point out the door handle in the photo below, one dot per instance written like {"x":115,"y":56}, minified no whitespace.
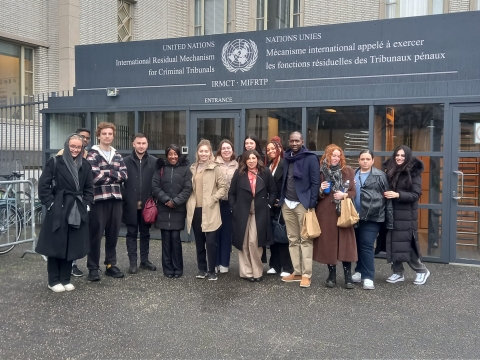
{"x":459,"y":175}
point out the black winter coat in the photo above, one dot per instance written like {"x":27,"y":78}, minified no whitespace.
{"x":373,"y":204}
{"x":172,"y":182}
{"x":403,"y":239}
{"x":138,"y":185}
{"x":240,"y":199}
{"x":57,"y":239}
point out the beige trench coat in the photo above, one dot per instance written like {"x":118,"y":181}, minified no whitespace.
{"x":214,"y":188}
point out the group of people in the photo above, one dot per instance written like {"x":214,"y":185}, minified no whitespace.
{"x":228,"y":200}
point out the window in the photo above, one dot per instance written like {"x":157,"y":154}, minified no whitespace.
{"x":124,"y":20}
{"x":16,"y":68}
{"x":406,"y":8}
{"x":346,"y":126}
{"x":267,"y":123}
{"x":125,"y":124}
{"x":62,"y":125}
{"x":163,"y":128}
{"x":214,"y":17}
{"x":278,"y":14}
{"x":418,"y":126}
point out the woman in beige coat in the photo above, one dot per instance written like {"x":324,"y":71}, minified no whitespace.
{"x":203,"y":208}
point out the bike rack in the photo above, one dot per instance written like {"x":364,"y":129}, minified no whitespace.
{"x":24,"y":217}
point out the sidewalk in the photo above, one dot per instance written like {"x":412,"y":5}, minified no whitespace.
{"x":148,"y":316}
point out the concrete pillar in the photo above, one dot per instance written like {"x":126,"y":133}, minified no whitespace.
{"x":68,"y":37}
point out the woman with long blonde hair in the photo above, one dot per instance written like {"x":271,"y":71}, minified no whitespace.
{"x":203,"y":208}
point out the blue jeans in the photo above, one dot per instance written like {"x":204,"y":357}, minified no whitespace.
{"x":366,"y":232}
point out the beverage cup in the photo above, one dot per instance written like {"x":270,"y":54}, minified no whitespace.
{"x":327,"y":190}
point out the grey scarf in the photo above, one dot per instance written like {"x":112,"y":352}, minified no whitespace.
{"x":333,"y":174}
{"x":73,"y":165}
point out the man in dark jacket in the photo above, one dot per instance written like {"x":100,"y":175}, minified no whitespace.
{"x":301,"y":182}
{"x":137,"y":189}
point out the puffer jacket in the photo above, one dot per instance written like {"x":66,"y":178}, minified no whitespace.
{"x":403,"y":239}
{"x":373,"y":205}
{"x":172,"y":182}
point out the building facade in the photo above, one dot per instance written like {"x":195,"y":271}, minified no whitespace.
{"x":361,"y":74}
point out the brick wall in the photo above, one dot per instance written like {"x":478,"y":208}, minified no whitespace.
{"x":98,"y":21}
{"x":323,"y":12}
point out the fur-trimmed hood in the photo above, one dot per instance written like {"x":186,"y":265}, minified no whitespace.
{"x":415,"y":168}
{"x":182,"y":161}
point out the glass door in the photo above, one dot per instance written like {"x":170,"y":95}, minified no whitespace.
{"x":213,"y":126}
{"x":465,"y":194}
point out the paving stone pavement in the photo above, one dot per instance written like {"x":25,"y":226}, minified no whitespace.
{"x":147,"y":316}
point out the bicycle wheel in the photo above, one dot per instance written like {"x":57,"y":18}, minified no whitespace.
{"x":10,"y":227}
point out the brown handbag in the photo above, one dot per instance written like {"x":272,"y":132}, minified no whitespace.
{"x":311,"y":227}
{"x":348,"y":214}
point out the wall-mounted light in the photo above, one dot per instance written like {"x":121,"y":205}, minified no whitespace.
{"x":330,"y":110}
{"x":112,"y":91}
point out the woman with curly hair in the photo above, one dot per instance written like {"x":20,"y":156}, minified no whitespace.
{"x":335,"y":244}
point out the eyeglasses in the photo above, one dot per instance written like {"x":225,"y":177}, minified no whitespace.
{"x":78,"y":148}
{"x":85,"y":137}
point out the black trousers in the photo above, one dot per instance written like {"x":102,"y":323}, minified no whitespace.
{"x":131,"y":240}
{"x":59,"y":271}
{"x":205,"y":242}
{"x":105,"y":216}
{"x":280,"y":258}
{"x":172,"y":257}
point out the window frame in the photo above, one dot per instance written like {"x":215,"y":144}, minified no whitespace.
{"x":226,"y":20}
{"x":397,"y":4}
{"x":292,"y":16}
{"x":22,"y":71}
{"x":121,"y":6}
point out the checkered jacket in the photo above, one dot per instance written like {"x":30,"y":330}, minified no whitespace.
{"x":108,"y":176}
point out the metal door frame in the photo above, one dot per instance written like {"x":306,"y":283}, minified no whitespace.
{"x":455,"y":177}
{"x":192,"y":127}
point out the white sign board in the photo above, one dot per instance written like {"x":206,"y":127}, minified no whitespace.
{"x":477,"y":133}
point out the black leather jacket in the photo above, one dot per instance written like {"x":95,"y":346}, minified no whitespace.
{"x":374,"y":206}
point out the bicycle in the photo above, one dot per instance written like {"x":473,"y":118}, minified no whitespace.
{"x":11,"y":225}
{"x":14,"y":213}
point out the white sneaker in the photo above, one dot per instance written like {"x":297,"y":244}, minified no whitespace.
{"x":57,"y":288}
{"x":271,"y":271}
{"x":395,"y":278}
{"x":223,"y":269}
{"x":421,"y":278}
{"x":357,"y":277}
{"x":284,"y":273}
{"x":368,"y":284}
{"x":69,"y":287}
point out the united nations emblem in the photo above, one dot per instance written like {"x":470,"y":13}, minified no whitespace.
{"x":240,"y":55}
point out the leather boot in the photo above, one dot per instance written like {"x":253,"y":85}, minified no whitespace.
{"x":332,"y":276}
{"x":347,"y":270}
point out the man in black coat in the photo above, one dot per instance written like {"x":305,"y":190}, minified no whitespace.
{"x":137,"y":189}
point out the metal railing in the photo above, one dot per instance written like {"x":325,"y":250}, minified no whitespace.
{"x":18,"y":210}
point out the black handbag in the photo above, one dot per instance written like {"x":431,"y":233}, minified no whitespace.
{"x":279,"y":231}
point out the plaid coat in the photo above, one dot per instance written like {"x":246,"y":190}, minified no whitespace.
{"x":108,"y":174}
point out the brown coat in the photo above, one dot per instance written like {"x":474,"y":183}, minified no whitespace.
{"x":214,"y":188}
{"x":334,"y":244}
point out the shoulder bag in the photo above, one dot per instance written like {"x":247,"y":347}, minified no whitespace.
{"x":150,"y":211}
{"x":348,"y":215}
